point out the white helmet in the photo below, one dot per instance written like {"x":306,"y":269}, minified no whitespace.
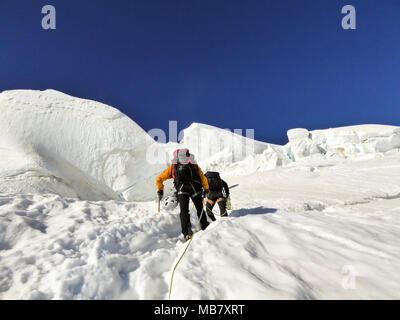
{"x":170,"y":202}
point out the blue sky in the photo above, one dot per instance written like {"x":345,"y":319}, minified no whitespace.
{"x":268,"y":65}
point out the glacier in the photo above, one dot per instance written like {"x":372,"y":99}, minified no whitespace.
{"x":55,"y":143}
{"x":316,"y":218}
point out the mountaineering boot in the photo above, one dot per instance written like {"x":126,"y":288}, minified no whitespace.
{"x":188,"y":237}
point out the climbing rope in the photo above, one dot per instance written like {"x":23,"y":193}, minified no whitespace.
{"x":187,"y":246}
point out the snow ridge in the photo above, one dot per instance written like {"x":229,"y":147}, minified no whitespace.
{"x":70,"y":146}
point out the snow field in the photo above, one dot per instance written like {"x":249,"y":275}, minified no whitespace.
{"x":306,"y":247}
{"x":58,"y":248}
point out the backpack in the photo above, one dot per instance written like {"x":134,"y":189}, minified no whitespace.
{"x":214,"y":181}
{"x":184,"y":168}
{"x":183,"y":173}
{"x":183,"y":156}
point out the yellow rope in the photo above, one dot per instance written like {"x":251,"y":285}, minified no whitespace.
{"x":187,"y":246}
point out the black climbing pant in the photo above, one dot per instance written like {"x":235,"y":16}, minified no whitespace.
{"x":183,"y":200}
{"x":221,"y":201}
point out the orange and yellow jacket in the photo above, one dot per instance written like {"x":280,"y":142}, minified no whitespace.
{"x":168,"y":174}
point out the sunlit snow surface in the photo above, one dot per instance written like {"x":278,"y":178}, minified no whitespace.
{"x":318,"y":218}
{"x":293,"y":233}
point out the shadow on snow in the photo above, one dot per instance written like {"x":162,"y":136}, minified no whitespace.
{"x":247,"y":211}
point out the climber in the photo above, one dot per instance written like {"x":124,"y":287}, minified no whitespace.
{"x":189,"y":182}
{"x":219,"y":193}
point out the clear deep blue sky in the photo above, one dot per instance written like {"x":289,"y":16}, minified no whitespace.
{"x":270,"y":65}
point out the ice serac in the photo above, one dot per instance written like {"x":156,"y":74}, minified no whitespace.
{"x":51,"y":142}
{"x":343,"y":141}
{"x":217,"y":148}
{"x":303,"y":146}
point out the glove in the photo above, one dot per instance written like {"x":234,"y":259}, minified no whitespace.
{"x":160,"y":194}
{"x":205,"y":193}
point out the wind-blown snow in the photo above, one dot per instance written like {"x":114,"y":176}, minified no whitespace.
{"x":317,"y":218}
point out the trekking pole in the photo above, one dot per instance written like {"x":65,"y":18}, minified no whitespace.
{"x":159,"y":206}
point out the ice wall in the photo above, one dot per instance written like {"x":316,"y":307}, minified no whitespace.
{"x":51,"y":142}
{"x":216,"y":148}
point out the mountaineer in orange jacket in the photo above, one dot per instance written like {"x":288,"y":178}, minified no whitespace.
{"x":189,"y":182}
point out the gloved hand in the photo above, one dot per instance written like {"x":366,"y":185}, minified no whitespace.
{"x":160,"y":194}
{"x":205,"y":193}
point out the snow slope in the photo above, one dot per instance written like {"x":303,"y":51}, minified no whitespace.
{"x":317,"y":218}
{"x":326,"y":234}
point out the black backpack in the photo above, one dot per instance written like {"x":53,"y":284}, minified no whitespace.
{"x":184,"y":173}
{"x":214,"y":181}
